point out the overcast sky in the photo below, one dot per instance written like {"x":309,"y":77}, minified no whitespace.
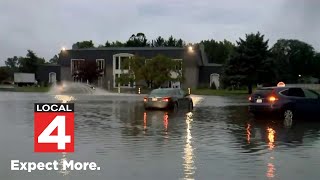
{"x":47,"y":25}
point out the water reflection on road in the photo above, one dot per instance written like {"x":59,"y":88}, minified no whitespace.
{"x":189,"y":167}
{"x":64,"y":99}
{"x":188,"y":155}
{"x":218,"y":140}
{"x":271,"y":138}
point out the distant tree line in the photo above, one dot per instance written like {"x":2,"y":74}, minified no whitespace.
{"x":218,"y":51}
{"x":248,"y":62}
{"x":27,"y":64}
{"x":253,"y":62}
{"x":135,"y":40}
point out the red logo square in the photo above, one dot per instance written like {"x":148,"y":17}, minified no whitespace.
{"x":53,"y":131}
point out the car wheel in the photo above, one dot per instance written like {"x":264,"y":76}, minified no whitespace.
{"x":288,"y":117}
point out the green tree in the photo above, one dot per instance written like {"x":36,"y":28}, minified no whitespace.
{"x":114,"y":44}
{"x":316,"y":65}
{"x":12,"y":63}
{"x":137,"y":72}
{"x":124,"y":78}
{"x":154,"y":72}
{"x":29,"y":64}
{"x":84,"y":44}
{"x":218,"y":52}
{"x":107,"y":44}
{"x":159,"y":42}
{"x":89,"y":71}
{"x":171,"y":42}
{"x":5,"y":73}
{"x":293,"y":58}
{"x":251,"y":63}
{"x":138,"y":40}
{"x":161,"y":69}
{"x":233,"y":74}
{"x":118,"y":44}
{"x":180,"y":43}
{"x":12,"y":67}
{"x":54,"y":60}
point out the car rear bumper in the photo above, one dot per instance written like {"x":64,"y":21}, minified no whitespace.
{"x":264,"y":108}
{"x":157,"y":105}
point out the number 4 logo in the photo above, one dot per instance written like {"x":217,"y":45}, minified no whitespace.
{"x":61,"y":139}
{"x":53,"y":131}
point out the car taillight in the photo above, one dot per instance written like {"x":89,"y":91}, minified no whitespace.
{"x":166,"y":99}
{"x":272,"y":98}
{"x":145,"y":99}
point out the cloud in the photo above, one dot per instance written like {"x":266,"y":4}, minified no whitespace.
{"x":296,"y":19}
{"x":45,"y":26}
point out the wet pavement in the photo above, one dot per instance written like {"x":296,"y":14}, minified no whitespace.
{"x":218,"y":140}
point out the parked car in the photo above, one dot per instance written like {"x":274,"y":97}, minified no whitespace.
{"x":289,"y":103}
{"x":168,"y":98}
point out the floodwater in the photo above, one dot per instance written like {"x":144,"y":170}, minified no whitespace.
{"x":218,"y":140}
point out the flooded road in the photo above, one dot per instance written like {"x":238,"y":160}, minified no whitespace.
{"x":218,"y":140}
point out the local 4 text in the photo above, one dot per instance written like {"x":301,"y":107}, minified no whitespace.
{"x":53,"y":127}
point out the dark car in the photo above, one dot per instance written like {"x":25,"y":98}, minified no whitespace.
{"x":287,"y":102}
{"x":168,"y":98}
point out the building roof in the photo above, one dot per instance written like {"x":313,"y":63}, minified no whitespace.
{"x":127,"y":48}
{"x":200,"y":55}
{"x":48,"y":64}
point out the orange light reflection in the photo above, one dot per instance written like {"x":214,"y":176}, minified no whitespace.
{"x":165,"y":121}
{"x":271,"y":170}
{"x":248,"y":133}
{"x":144,"y":121}
{"x":271,"y":137}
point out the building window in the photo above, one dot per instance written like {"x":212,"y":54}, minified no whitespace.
{"x":120,"y":67}
{"x":128,"y":84}
{"x":52,"y":77}
{"x":123,"y":63}
{"x":100,"y":64}
{"x":115,"y":80}
{"x":76,"y":65}
{"x":117,"y":65}
{"x":178,"y":66}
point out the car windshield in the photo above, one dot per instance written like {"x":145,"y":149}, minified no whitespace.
{"x":162,"y":92}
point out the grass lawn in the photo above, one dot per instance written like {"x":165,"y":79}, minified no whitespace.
{"x":214,"y":92}
{"x":26,"y":89}
{"x":211,"y":92}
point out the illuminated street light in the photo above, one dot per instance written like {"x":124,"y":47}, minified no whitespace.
{"x":299,"y":75}
{"x":190,"y":48}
